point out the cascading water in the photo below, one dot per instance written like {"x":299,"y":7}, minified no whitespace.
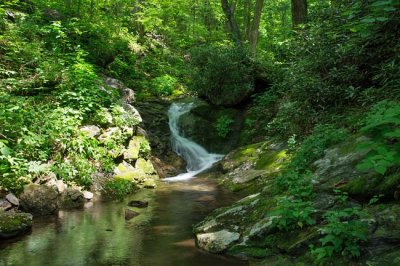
{"x":196,"y":157}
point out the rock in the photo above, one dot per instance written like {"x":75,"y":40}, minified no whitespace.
{"x":262,"y":228}
{"x":5,"y":205}
{"x":138,"y":204}
{"x":72,"y":198}
{"x":217,"y":242}
{"x":155,"y":122}
{"x":12,"y":199}
{"x":132,"y":152}
{"x":91,"y":130}
{"x":126,"y":171}
{"x":141,"y":132}
{"x":88,"y":195}
{"x":145,"y":165}
{"x":129,"y":214}
{"x":61,"y":186}
{"x":133,"y":113}
{"x":128,"y":95}
{"x":149,"y":183}
{"x":110,"y":134}
{"x":14,"y":224}
{"x":39,"y":200}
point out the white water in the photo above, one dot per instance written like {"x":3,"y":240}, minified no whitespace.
{"x":196,"y":157}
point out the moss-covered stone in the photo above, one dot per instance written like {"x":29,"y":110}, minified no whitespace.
{"x":71,"y":199}
{"x":39,"y":200}
{"x":127,"y":172}
{"x":146,"y":166}
{"x":135,"y":147}
{"x":14,"y":224}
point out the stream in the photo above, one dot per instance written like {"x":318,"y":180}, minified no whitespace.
{"x":160,"y":235}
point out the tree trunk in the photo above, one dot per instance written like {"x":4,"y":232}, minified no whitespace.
{"x":229,"y":13}
{"x":255,"y":25}
{"x":299,"y":12}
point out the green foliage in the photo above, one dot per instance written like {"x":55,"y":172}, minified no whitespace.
{"x":164,"y":85}
{"x":222,"y":74}
{"x":292,"y":213}
{"x":119,"y":188}
{"x":314,"y":146}
{"x":295,"y":184}
{"x":223,"y":125}
{"x":342,"y":234}
{"x":382,"y":126}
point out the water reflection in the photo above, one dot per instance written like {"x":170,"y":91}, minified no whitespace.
{"x":99,"y":235}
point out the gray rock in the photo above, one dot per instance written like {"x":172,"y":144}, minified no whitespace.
{"x":72,"y":199}
{"x":217,"y":242}
{"x":91,"y":130}
{"x":14,"y":224}
{"x":88,"y":195}
{"x":5,"y":205}
{"x":39,"y":200}
{"x":129,"y":214}
{"x":133,"y":112}
{"x":61,"y":186}
{"x":12,"y":199}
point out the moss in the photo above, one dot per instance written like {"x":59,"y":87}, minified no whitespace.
{"x":14,"y":224}
{"x":367,"y":186}
{"x":270,"y":160}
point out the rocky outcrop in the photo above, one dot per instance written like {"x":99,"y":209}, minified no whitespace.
{"x":14,"y":224}
{"x":155,"y":122}
{"x":252,"y":171}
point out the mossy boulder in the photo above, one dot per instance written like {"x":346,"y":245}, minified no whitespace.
{"x":39,"y":200}
{"x":253,"y":166}
{"x":14,"y":224}
{"x":72,"y":199}
{"x":135,"y":147}
{"x":146,"y":166}
{"x":127,"y":172}
{"x":217,"y":242}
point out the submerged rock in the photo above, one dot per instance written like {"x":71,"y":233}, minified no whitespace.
{"x":217,"y":242}
{"x":138,"y":204}
{"x":39,"y":200}
{"x":14,"y":224}
{"x":129,"y":214}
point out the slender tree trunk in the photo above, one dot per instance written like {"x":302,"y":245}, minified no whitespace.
{"x":299,"y":12}
{"x":255,"y":25}
{"x":229,"y":13}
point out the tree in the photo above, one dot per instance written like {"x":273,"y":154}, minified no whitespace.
{"x":299,"y":12}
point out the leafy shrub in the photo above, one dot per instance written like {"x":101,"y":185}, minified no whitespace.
{"x":382,"y":125}
{"x":224,"y":75}
{"x":313,"y":147}
{"x":163,"y":86}
{"x":119,"y":188}
{"x":223,"y":125}
{"x":293,"y":213}
{"x":343,"y":234}
{"x":295,"y":184}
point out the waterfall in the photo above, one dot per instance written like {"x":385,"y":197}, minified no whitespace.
{"x":196,"y":157}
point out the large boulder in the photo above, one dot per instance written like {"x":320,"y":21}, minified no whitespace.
{"x":133,"y":150}
{"x":126,"y":171}
{"x":14,"y":224}
{"x":216,"y":242}
{"x":39,"y":200}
